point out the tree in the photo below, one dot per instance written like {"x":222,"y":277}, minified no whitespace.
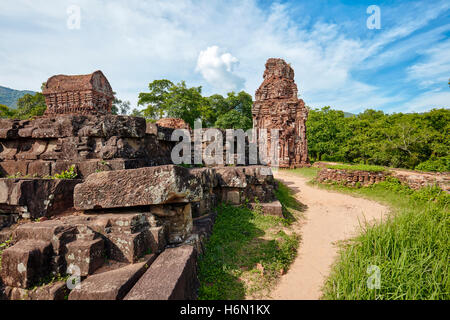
{"x":232,"y":112}
{"x":6,"y":112}
{"x":166,"y":99}
{"x":30,"y":106}
{"x":413,"y":140}
{"x":233,"y":120}
{"x":119,"y":106}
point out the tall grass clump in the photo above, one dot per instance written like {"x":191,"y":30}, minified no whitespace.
{"x":410,"y":248}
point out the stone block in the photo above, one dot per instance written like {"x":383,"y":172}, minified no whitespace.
{"x":25,"y":263}
{"x":88,"y":255}
{"x":52,"y":291}
{"x":111,"y":285}
{"x":158,"y":238}
{"x":273,"y":208}
{"x":172,"y":276}
{"x":137,"y":187}
{"x":233,"y":197}
{"x":56,"y":232}
{"x":127,"y":247}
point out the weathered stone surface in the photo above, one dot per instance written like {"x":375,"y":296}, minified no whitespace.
{"x":127,"y":247}
{"x":351,"y":177}
{"x":52,"y":291}
{"x":273,"y":208}
{"x":7,"y":220}
{"x":138,"y":187}
{"x":53,"y":231}
{"x":86,"y":255}
{"x":173,"y":123}
{"x":201,"y":231}
{"x":5,"y":234}
{"x":417,"y":180}
{"x":111,"y":285}
{"x":37,"y":197}
{"x":246,"y":183}
{"x":179,"y":223}
{"x":25,"y":262}
{"x":49,"y":145}
{"x":158,"y":238}
{"x":172,"y":276}
{"x":277,"y":106}
{"x":81,"y":94}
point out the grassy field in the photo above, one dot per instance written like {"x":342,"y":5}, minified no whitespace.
{"x":410,"y":248}
{"x":248,"y":251}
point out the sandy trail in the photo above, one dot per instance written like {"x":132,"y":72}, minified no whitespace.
{"x":329,"y":217}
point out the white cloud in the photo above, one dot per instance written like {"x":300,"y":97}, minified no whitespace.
{"x":136,"y":42}
{"x":217,"y":69}
{"x":436,"y":67}
{"x":427,"y":101}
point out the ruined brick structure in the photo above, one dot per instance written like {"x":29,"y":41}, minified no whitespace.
{"x":80,"y":94}
{"x":131,"y":222}
{"x":277,"y":106}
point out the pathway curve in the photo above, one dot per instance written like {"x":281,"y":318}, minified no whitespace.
{"x":329,"y":217}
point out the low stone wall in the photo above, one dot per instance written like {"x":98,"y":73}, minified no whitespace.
{"x":413,"y":179}
{"x":48,"y":145}
{"x":350,"y":177}
{"x":417,"y":180}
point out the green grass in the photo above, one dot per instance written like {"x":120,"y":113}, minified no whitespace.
{"x":307,"y":172}
{"x":357,"y":167}
{"x":247,"y":251}
{"x":410,"y":247}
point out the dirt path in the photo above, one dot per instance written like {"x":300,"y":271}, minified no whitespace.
{"x":329,"y":217}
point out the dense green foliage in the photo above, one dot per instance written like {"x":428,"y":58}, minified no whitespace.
{"x":28,"y":106}
{"x":167,"y":99}
{"x":373,"y":137}
{"x":435,"y":164}
{"x":9,"y":97}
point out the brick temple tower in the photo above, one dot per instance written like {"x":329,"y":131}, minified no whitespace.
{"x":79,"y":94}
{"x":277,"y":106}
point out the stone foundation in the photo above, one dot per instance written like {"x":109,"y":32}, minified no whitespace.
{"x":350,"y":178}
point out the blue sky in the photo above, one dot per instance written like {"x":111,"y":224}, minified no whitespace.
{"x":223,"y":45}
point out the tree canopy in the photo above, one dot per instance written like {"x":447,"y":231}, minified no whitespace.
{"x":372,"y":137}
{"x":167,"y":99}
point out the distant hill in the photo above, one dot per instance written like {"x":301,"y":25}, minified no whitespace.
{"x":9,"y":97}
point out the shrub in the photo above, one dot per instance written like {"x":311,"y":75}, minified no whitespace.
{"x":67,"y":174}
{"x":435,"y":165}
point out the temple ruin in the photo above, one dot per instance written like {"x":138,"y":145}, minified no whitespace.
{"x":80,"y":94}
{"x":128,"y":217}
{"x":277,"y":106}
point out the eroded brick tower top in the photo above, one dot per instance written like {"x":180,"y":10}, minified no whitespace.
{"x":78,"y":94}
{"x":277,"y":106}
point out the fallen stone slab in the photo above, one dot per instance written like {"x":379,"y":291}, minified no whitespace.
{"x":111,"y":285}
{"x":25,"y":262}
{"x":52,"y":291}
{"x":54,"y":231}
{"x":35,"y":198}
{"x":138,"y":187}
{"x":273,"y":208}
{"x":172,"y":276}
